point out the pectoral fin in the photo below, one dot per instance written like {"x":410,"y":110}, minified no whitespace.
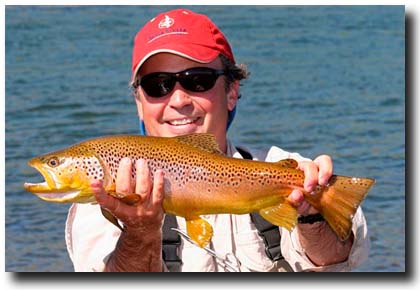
{"x":283,"y":215}
{"x":199,"y":230}
{"x":110,"y":217}
{"x":130,"y":199}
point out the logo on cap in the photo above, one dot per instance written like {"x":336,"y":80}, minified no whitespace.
{"x":166,"y":22}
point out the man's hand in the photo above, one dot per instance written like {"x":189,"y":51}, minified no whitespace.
{"x":139,"y":247}
{"x":147,"y":214}
{"x":316,"y":172}
{"x":321,"y":244}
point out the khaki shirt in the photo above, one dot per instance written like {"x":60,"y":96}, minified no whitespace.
{"x":90,"y":238}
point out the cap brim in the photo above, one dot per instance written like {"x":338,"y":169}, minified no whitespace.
{"x":175,"y":51}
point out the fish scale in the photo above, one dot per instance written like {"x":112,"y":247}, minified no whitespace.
{"x":198,"y":180}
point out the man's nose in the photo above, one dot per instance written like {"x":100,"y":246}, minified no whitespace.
{"x":179,"y":97}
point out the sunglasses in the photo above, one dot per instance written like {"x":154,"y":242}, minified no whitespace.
{"x":197,"y":79}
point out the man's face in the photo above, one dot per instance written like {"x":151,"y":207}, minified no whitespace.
{"x":181,"y":111}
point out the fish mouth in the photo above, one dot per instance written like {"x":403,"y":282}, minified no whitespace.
{"x":46,"y":186}
{"x":55,"y":196}
{"x":48,"y":190}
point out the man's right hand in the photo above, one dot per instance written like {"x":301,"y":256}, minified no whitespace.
{"x":139,"y":246}
{"x":147,"y":214}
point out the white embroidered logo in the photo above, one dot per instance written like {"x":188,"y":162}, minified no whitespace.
{"x":166,"y":22}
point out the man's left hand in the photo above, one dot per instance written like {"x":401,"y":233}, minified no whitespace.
{"x":317,"y":172}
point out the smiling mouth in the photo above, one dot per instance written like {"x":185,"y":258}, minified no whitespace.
{"x":182,"y":122}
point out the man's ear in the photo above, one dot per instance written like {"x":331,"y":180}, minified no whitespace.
{"x":233,"y":95}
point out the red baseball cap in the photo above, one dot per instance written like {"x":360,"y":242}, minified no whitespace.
{"x":181,"y":32}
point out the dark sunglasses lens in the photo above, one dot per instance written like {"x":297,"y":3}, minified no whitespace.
{"x":195,"y":80}
{"x":198,"y":81}
{"x":157,"y":85}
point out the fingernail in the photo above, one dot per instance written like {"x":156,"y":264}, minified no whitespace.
{"x":309,"y":187}
{"x":126,"y":160}
{"x":159,"y":173}
{"x":321,"y":180}
{"x":96,"y":184}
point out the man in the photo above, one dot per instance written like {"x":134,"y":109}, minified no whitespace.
{"x":185,"y":81}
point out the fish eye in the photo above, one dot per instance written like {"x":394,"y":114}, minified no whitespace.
{"x":53,"y":162}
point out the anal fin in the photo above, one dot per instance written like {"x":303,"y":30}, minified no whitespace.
{"x":199,"y":230}
{"x":283,"y":215}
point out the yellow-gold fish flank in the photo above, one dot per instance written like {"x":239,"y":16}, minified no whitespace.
{"x":198,"y":180}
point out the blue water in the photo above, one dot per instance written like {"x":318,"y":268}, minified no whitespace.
{"x":323,"y":80}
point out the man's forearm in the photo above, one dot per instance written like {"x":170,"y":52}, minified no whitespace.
{"x":322,"y":246}
{"x":137,"y":253}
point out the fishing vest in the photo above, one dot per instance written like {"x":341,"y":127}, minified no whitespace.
{"x":171,"y":240}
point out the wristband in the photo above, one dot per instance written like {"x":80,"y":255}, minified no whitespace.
{"x":310,"y":219}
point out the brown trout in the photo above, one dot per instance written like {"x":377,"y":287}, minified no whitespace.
{"x":198,"y":180}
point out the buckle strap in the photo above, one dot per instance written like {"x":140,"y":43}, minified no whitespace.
{"x":170,"y":244}
{"x":270,"y":234}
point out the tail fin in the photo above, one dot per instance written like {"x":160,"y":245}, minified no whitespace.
{"x":338,"y":201}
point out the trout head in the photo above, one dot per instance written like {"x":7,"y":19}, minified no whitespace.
{"x":67,"y":177}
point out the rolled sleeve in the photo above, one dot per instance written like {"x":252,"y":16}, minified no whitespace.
{"x":90,"y":238}
{"x":292,"y":249}
{"x":295,"y":254}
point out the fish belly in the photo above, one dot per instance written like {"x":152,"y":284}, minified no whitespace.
{"x":200,"y":198}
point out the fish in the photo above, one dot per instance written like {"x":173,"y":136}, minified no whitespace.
{"x":199,"y":180}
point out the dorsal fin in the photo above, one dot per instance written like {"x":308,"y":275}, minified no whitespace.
{"x":203,"y":141}
{"x":292,"y":163}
